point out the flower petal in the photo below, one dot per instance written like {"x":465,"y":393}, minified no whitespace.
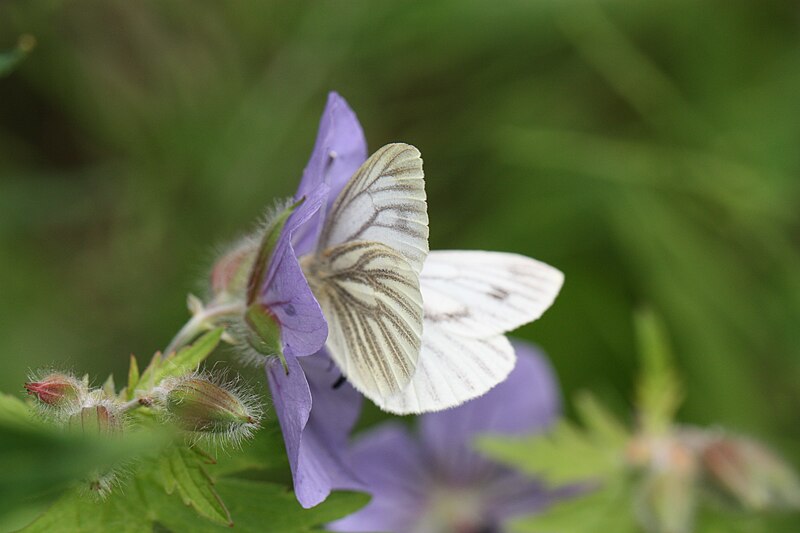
{"x":315,"y":431}
{"x":526,"y":402}
{"x":390,"y":462}
{"x":286,"y":292}
{"x":338,"y":152}
{"x":510,"y":494}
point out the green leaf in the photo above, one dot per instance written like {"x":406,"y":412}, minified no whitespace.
{"x":75,"y":512}
{"x":133,"y":378}
{"x":713,"y":519}
{"x":564,"y":455}
{"x":591,"y":455}
{"x":266,"y":451}
{"x":190,"y":357}
{"x":600,"y":422}
{"x":255,"y":506}
{"x":605,"y":509}
{"x":38,"y":462}
{"x":568,"y":453}
{"x":15,"y":412}
{"x":182,"y":362}
{"x":258,"y":506}
{"x":659,"y":392}
{"x":184,"y":469}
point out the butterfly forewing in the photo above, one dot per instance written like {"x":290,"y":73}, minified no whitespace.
{"x":371,"y":298}
{"x":383,"y":202}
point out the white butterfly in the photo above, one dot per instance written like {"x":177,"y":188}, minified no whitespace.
{"x":367,"y":274}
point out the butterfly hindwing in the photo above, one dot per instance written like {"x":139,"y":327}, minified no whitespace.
{"x":452,"y":369}
{"x":371,"y":298}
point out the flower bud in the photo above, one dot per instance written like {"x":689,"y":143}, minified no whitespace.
{"x":666,"y":496}
{"x":666,"y":501}
{"x":57,"y":391}
{"x":208,"y":409}
{"x":751,"y":474}
{"x":231,"y":271}
{"x":96,"y":419}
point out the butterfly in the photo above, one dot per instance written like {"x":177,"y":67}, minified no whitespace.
{"x":411,"y":330}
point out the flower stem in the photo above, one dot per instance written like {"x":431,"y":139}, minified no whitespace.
{"x":142,"y":401}
{"x":199,"y":322}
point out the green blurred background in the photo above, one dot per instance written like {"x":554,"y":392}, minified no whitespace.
{"x":650,"y":150}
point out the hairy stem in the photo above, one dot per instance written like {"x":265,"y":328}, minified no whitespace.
{"x":200,"y":322}
{"x":143,"y":401}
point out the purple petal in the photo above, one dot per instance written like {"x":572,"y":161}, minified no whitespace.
{"x":286,"y":292}
{"x":390,"y":462}
{"x":510,"y":494}
{"x":316,"y":420}
{"x":338,"y":152}
{"x":335,"y":411}
{"x":526,"y":402}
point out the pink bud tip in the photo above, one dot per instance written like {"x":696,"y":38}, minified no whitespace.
{"x":55,"y":390}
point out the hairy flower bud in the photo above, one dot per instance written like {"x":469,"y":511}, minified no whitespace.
{"x":57,"y":391}
{"x":750,"y":473}
{"x":208,"y":408}
{"x":230,"y":273}
{"x":666,"y":501}
{"x":96,"y":419}
{"x":666,"y":496}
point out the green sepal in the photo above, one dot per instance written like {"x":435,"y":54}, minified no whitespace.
{"x":267,"y":246}
{"x":109,"y":388}
{"x":133,"y":378}
{"x":264,"y":332}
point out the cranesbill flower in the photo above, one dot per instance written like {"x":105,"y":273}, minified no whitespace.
{"x":315,"y":414}
{"x":357,"y":229}
{"x":411,"y":330}
{"x":433,"y":482}
{"x":470,"y":299}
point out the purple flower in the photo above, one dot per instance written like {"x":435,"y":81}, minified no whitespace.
{"x":284,"y":291}
{"x":315,"y":413}
{"x":473,"y":298}
{"x":436,"y":482}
